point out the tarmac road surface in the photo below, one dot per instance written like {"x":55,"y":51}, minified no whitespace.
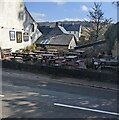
{"x":25,"y":95}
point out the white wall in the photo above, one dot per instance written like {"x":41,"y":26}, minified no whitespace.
{"x":28,"y":27}
{"x":14,"y":15}
{"x":80,"y":31}
{"x":76,"y":33}
{"x":72,"y":44}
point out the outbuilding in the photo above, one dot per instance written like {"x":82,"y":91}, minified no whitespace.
{"x":62,"y":42}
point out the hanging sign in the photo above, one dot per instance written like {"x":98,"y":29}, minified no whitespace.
{"x":25,"y":36}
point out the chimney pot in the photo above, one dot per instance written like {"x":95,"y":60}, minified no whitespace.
{"x":57,"y":23}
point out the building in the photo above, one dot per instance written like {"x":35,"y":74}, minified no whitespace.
{"x":17,"y":27}
{"x":61,"y":42}
{"x":74,"y":29}
{"x":58,"y":39}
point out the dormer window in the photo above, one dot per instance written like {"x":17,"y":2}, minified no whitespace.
{"x":32,"y":26}
{"x":74,"y":32}
{"x":21,"y":15}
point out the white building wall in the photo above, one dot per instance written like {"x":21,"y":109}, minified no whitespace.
{"x":76,"y":33}
{"x":14,"y":15}
{"x":72,"y":44}
{"x":80,"y":31}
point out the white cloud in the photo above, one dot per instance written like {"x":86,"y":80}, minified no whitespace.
{"x":69,"y":19}
{"x":73,"y":19}
{"x":38,"y":16}
{"x":59,"y":2}
{"x":84,"y":8}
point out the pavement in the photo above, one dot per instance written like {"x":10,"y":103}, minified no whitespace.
{"x":30,"y":95}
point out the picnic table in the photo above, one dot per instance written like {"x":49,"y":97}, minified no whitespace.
{"x":71,"y":57}
{"x":29,"y":56}
{"x":47,"y":58}
{"x":48,"y":55}
{"x":14,"y":54}
{"x":6,"y":52}
{"x":39,"y":52}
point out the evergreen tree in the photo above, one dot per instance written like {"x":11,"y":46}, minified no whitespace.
{"x":97,"y":21}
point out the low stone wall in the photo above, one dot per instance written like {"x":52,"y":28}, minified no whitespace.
{"x":61,"y":71}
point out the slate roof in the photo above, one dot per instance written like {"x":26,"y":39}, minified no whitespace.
{"x":45,"y":29}
{"x":29,"y":14}
{"x":58,"y":30}
{"x":71,"y":27}
{"x":91,"y":44}
{"x":55,"y":36}
{"x":62,"y":39}
{"x":63,"y":29}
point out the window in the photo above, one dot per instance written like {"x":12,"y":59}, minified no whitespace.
{"x":32,"y":27}
{"x":21,"y":15}
{"x":19,"y":37}
{"x":12,"y":35}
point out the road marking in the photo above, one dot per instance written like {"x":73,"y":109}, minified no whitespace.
{"x":2,"y":96}
{"x":87,"y":109}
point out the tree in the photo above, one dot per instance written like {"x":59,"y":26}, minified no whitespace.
{"x":111,"y":36}
{"x":116,"y":3}
{"x":97,"y":21}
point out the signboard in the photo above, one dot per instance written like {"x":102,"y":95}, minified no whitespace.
{"x":19,"y":37}
{"x":0,"y":53}
{"x":25,"y":36}
{"x":12,"y":35}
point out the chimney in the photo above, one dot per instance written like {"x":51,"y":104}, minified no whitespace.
{"x":57,"y":24}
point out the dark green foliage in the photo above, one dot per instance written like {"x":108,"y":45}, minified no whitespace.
{"x":89,"y":63}
{"x":111,"y":35}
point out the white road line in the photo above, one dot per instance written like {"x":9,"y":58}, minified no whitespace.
{"x":2,"y":96}
{"x":87,"y":109}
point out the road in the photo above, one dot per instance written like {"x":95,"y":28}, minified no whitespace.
{"x":26,"y":95}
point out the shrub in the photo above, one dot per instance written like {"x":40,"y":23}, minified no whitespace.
{"x":89,"y":63}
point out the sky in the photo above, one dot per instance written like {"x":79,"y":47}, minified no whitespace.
{"x":71,"y":11}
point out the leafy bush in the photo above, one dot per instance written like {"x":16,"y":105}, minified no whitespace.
{"x":30,"y":48}
{"x":89,"y":63}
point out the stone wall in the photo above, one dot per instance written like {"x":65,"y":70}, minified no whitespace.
{"x":102,"y":76}
{"x":58,"y":48}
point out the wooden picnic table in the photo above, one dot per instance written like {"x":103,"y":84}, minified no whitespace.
{"x":71,"y":57}
{"x":39,"y":52}
{"x":48,"y":55}
{"x":14,"y":54}
{"x":32,"y":53}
